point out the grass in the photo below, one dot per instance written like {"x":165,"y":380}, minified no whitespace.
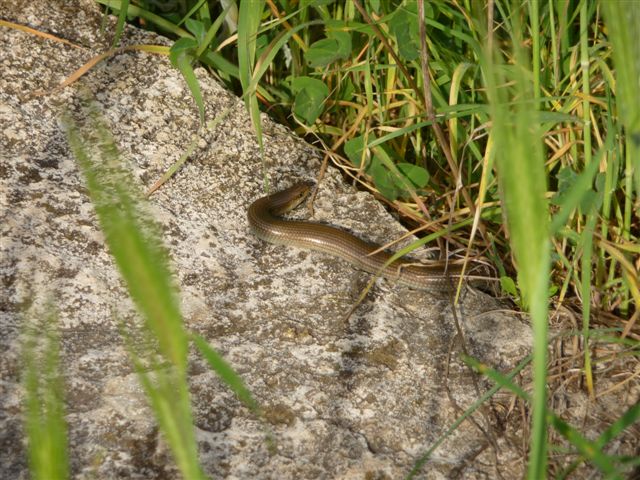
{"x":44,"y":398}
{"x":527,"y":111}
{"x":516,"y":134}
{"x":134,"y":240}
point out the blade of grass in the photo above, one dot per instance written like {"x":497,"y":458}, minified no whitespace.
{"x":469,"y":411}
{"x":132,"y":239}
{"x":213,"y":30}
{"x":631,"y":416}
{"x":587,"y":448}
{"x":522,"y":179}
{"x":226,"y":373}
{"x":134,"y":242}
{"x":184,"y":63}
{"x":585,"y":286}
{"x":157,"y":20}
{"x":190,"y":13}
{"x":623,"y":22}
{"x":586,"y":90}
{"x":167,"y":391}
{"x":249,"y":16}
{"x":44,"y":405}
{"x":122,"y":17}
{"x":534,"y":15}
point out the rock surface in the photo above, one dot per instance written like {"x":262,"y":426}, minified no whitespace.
{"x":361,"y":398}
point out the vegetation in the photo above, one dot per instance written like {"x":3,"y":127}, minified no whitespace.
{"x":355,"y":81}
{"x":44,"y":399}
{"x":135,"y":243}
{"x":522,"y":116}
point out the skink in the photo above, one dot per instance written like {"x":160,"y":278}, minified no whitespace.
{"x":266,"y":225}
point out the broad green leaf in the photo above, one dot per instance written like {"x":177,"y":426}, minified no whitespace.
{"x":183,"y":47}
{"x":572,"y":188}
{"x":354,"y":148}
{"x":310,"y":98}
{"x":404,"y":26}
{"x":344,"y":43}
{"x":416,"y":174}
{"x":383,"y":179}
{"x":323,"y":52}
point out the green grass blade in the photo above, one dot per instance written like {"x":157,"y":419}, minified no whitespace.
{"x":190,"y":13}
{"x":534,"y":15}
{"x":264,"y":63}
{"x":249,"y":17}
{"x":183,"y":63}
{"x":44,"y":405}
{"x":134,"y":242}
{"x":585,"y":280}
{"x":213,"y":30}
{"x":623,"y":22}
{"x":468,"y":412}
{"x":157,"y":20}
{"x":630,"y":417}
{"x":586,"y":89}
{"x":588,"y":449}
{"x":132,"y":239}
{"x":122,"y":18}
{"x":167,"y":391}
{"x":522,"y":178}
{"x":226,"y":373}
